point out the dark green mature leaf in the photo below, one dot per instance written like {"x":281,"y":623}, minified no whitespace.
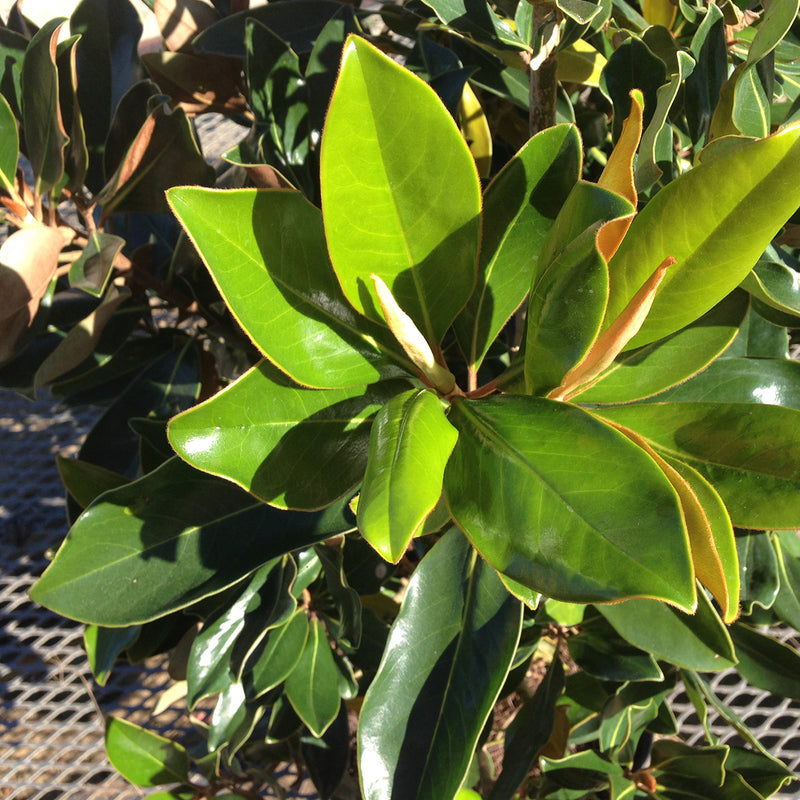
{"x":698,"y":641}
{"x":477,"y":19}
{"x":107,"y":65}
{"x":45,"y":136}
{"x":716,"y":221}
{"x":163,"y":154}
{"x":312,"y":686}
{"x":230,"y":714}
{"x":750,"y":453}
{"x":562,"y":503}
{"x":9,"y":145}
{"x":271,"y":253}
{"x":300,"y":448}
{"x":104,"y":645}
{"x":92,"y":270}
{"x":770,"y":381}
{"x":84,"y":481}
{"x":278,"y":655}
{"x":529,"y":733}
{"x":327,"y":758}
{"x":167,"y":541}
{"x":424,"y":711}
{"x":298,"y":23}
{"x":650,"y":369}
{"x":143,"y":757}
{"x":565,"y":312}
{"x":410,"y":443}
{"x":76,"y":155}
{"x":12,"y":52}
{"x":519,"y":208}
{"x":422,"y":231}
{"x":600,"y":651}
{"x":765,"y":662}
{"x":758,"y":566}
{"x":764,"y":775}
{"x":689,"y":772}
{"x":169,"y":383}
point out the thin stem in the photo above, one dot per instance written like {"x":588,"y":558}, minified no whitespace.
{"x":543,"y":83}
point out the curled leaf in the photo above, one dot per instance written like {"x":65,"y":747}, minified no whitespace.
{"x":612,"y":341}
{"x":412,"y":341}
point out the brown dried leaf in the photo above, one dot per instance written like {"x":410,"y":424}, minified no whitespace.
{"x":28,"y":262}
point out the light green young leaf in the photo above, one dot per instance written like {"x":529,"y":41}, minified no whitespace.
{"x":271,"y":254}
{"x":291,"y":446}
{"x":566,"y":505}
{"x":424,"y":711}
{"x":410,"y":443}
{"x":143,"y":757}
{"x":423,"y":227}
{"x":716,"y":221}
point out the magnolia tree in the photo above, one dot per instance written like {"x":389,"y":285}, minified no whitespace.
{"x":465,"y":389}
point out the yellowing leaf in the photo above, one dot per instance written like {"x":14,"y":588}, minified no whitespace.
{"x":618,"y":176}
{"x":580,"y":63}
{"x":476,"y":130}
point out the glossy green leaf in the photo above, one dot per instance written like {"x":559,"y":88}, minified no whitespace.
{"x":107,"y":65}
{"x":143,"y":757}
{"x":759,"y":338}
{"x":775,"y":284}
{"x":647,"y":370}
{"x":410,"y":443}
{"x":689,"y":772}
{"x":716,"y":221}
{"x":93,"y":268}
{"x":750,"y":453}
{"x":626,"y":715}
{"x":45,"y":136}
{"x":230,"y":713}
{"x":787,"y":601}
{"x":769,"y":381}
{"x":85,"y":482}
{"x":300,"y":448}
{"x":564,"y":504}
{"x":271,"y":254}
{"x":758,"y":566}
{"x":765,"y":662}
{"x":519,"y":208}
{"x":565,"y":312}
{"x":76,"y":154}
{"x":9,"y":145}
{"x":104,"y":645}
{"x":698,"y":641}
{"x":164,"y":153}
{"x":529,"y":732}
{"x":765,"y":775}
{"x":423,"y":227}
{"x":424,"y":711}
{"x":209,"y":667}
{"x":343,"y":621}
{"x":312,"y":686}
{"x":279,"y":654}
{"x":168,"y":540}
